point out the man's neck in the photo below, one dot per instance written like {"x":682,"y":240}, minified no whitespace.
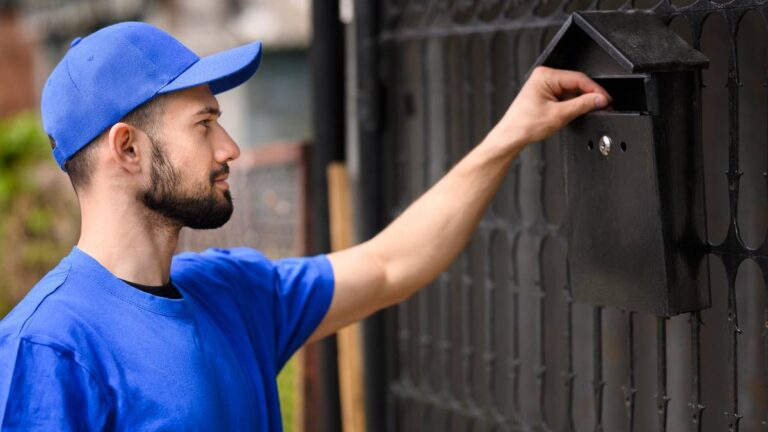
{"x":132,"y":243}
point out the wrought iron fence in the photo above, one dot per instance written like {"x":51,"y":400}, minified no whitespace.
{"x":497,"y":343}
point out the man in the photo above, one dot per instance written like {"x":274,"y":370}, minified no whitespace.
{"x":121,"y":335}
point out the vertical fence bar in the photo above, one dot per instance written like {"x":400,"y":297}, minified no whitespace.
{"x":540,"y":369}
{"x":598,"y":384}
{"x":489,"y":355}
{"x":404,"y":382}
{"x":370,"y":210}
{"x":406,"y":336}
{"x":733,"y":239}
{"x":457,"y":101}
{"x":697,"y":408}
{"x":765,"y":338}
{"x":731,"y":266}
{"x":446,"y":343}
{"x":469,"y":349}
{"x":629,"y":389}
{"x":764,"y":268}
{"x":492,"y":285}
{"x":696,"y":23}
{"x":514,"y":363}
{"x":569,"y":375}
{"x":424,"y":297}
{"x":662,"y":400}
{"x":327,"y":59}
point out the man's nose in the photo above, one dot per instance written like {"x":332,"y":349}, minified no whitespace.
{"x":226,"y":148}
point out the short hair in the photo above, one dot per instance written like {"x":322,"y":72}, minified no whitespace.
{"x":145,"y":117}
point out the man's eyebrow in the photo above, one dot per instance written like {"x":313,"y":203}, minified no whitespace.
{"x":209,"y":110}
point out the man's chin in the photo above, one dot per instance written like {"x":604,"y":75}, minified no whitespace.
{"x":211,"y":221}
{"x":216,"y":217}
{"x":211,"y":216}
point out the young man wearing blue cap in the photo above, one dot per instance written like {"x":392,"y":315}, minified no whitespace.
{"x":122,"y":335}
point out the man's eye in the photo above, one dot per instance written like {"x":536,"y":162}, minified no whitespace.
{"x":206,"y":123}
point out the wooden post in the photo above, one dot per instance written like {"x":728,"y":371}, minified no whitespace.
{"x":349,"y":339}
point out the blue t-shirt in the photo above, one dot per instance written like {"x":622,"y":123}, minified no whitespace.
{"x":85,"y":351}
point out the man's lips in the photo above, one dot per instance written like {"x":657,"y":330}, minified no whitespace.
{"x":221,"y":175}
{"x":222,"y":181}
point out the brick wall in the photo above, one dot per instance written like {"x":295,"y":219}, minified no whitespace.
{"x":17,"y":91}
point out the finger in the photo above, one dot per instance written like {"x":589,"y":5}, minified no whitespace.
{"x":562,"y":81}
{"x":583,"y":104}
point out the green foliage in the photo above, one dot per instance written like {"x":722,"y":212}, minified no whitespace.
{"x":287,"y":385}
{"x":23,"y":143}
{"x":37,"y":221}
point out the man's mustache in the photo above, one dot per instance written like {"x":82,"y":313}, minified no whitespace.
{"x":219,"y":172}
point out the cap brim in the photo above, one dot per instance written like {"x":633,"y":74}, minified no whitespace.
{"x":221,"y":71}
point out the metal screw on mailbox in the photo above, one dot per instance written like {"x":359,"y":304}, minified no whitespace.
{"x":605,"y":145}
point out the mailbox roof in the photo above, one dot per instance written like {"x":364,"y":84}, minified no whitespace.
{"x":639,"y":41}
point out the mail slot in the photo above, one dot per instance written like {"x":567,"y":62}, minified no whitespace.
{"x":628,"y":92}
{"x":635,"y":217}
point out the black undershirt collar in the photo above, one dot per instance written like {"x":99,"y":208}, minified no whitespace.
{"x":167,"y":290}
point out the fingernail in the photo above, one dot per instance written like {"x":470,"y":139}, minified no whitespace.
{"x":601,"y":101}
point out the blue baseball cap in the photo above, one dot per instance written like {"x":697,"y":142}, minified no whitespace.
{"x":110,"y":72}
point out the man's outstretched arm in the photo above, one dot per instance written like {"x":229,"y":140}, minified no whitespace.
{"x":423,"y":241}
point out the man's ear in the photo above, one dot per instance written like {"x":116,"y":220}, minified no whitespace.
{"x":123,"y":146}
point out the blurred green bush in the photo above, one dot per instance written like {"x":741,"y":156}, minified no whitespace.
{"x":38,"y":211}
{"x":22,"y":144}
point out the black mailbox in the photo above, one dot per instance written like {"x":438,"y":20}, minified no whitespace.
{"x":634,"y":178}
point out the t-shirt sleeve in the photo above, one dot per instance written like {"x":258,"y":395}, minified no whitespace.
{"x":304,"y":294}
{"x":49,"y":390}
{"x":294,"y":294}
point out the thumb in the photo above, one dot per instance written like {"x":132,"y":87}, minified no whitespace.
{"x":583,"y":104}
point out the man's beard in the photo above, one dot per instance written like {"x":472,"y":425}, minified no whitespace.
{"x":203,"y":209}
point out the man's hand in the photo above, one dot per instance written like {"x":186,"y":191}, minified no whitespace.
{"x":420,"y":244}
{"x":549,"y":100}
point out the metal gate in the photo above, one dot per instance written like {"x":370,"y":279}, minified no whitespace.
{"x":497,"y":343}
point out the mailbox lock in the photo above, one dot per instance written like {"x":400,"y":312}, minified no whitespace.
{"x":605,"y":145}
